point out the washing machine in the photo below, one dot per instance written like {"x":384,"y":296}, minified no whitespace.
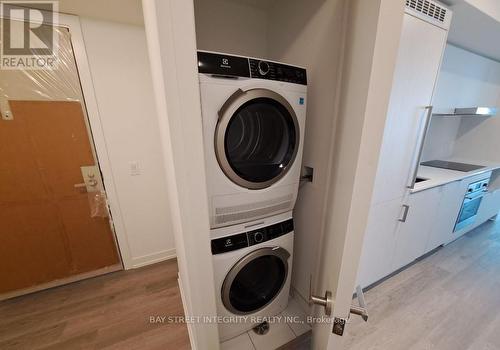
{"x":253,"y":268}
{"x":254,"y":114}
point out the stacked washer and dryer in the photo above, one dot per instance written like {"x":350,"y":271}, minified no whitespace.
{"x":254,"y":115}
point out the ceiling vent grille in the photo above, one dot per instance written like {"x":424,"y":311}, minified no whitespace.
{"x":429,"y":9}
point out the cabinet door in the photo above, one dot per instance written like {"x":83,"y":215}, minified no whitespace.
{"x":447,"y":213}
{"x":421,"y":49}
{"x":379,"y":242}
{"x":490,"y":207}
{"x":413,"y":234}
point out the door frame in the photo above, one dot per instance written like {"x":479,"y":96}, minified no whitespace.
{"x":97,"y":140}
{"x":170,"y":31}
{"x":171,"y":39}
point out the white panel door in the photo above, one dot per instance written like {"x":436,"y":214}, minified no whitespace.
{"x":420,"y":54}
{"x":414,"y":232}
{"x":379,"y":242}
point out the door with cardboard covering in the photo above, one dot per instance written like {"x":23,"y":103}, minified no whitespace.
{"x":55,"y":225}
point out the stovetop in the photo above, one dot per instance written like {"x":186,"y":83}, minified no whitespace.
{"x":443,"y":164}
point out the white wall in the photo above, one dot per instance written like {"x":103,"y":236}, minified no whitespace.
{"x":466,"y":80}
{"x":118,"y":60}
{"x":231,"y":27}
{"x":308,"y":33}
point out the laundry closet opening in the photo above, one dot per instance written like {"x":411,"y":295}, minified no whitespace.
{"x":269,"y":75}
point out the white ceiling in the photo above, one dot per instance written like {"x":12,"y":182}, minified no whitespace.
{"x":473,"y":29}
{"x":122,"y":11}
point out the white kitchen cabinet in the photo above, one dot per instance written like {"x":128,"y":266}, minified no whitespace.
{"x":447,"y":213}
{"x":490,"y":206}
{"x":413,"y":233}
{"x":420,"y":53}
{"x":379,"y":242}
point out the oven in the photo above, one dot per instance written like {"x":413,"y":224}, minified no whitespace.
{"x":472,"y":202}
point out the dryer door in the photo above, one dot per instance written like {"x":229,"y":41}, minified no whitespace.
{"x":257,"y":138}
{"x":255,"y":280}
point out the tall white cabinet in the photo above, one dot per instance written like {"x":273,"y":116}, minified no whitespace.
{"x":422,"y":45}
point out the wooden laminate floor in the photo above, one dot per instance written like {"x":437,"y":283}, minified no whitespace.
{"x":447,"y":301}
{"x":106,"y":312}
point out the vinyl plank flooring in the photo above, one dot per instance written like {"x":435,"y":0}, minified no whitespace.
{"x":448,"y":300}
{"x":106,"y":312}
{"x":302,"y":342}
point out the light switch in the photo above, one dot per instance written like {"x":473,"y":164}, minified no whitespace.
{"x":135,"y":169}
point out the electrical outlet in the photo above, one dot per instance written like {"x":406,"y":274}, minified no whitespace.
{"x":135,"y":169}
{"x":307,"y":174}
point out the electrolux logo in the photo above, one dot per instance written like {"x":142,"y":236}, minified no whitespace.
{"x":29,"y":34}
{"x":225,"y":63}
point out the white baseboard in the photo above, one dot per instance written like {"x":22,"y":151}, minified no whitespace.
{"x":153,"y":258}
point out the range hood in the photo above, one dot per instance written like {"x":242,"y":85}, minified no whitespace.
{"x":470,"y":112}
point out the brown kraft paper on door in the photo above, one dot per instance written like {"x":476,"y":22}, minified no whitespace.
{"x":48,"y":229}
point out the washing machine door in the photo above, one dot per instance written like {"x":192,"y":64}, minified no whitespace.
{"x":257,"y":138}
{"x":255,"y":280}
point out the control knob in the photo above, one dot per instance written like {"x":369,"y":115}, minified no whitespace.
{"x":263,"y":67}
{"x":258,"y":237}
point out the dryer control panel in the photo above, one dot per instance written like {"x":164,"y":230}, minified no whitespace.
{"x":277,"y":71}
{"x":236,"y":66}
{"x":250,"y":238}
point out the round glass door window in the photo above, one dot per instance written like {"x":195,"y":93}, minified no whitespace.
{"x":252,"y":286}
{"x":260,"y":141}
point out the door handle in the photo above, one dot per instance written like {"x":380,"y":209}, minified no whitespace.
{"x":91,"y":183}
{"x":327,"y":302}
{"x":360,"y":310}
{"x":405,"y":213}
{"x":428,"y":117}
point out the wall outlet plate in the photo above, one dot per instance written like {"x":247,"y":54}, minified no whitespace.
{"x":135,"y":168}
{"x":307,"y":174}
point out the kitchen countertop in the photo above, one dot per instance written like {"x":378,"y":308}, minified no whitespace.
{"x":438,"y":177}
